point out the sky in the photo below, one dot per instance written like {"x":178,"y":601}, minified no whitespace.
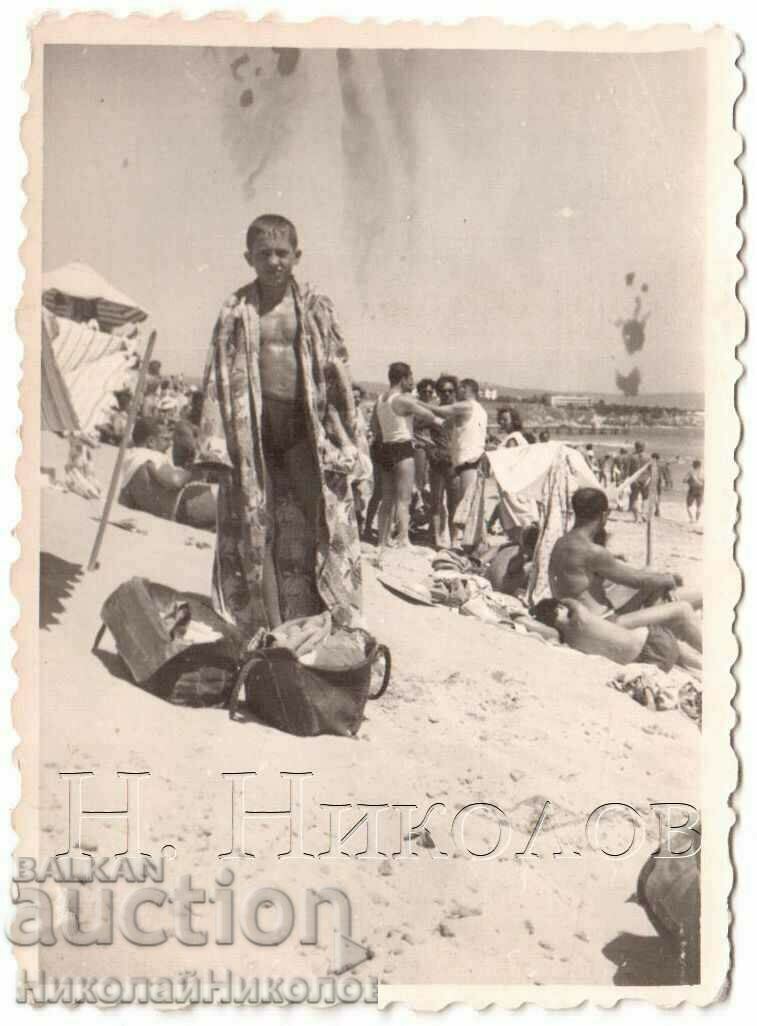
{"x":471,"y":212}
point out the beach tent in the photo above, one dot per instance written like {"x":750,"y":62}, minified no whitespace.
{"x":522,"y":472}
{"x":536,"y":483}
{"x":79,"y":293}
{"x":91,"y":364}
{"x":57,"y":412}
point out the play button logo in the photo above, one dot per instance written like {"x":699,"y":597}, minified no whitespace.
{"x":348,"y":954}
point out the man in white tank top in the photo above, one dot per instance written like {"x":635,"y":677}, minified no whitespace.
{"x":392,"y":423}
{"x":468,"y":435}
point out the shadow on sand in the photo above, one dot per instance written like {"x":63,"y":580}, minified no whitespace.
{"x":57,"y":578}
{"x":649,"y":962}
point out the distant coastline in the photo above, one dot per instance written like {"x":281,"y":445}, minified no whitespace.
{"x":689,"y":401}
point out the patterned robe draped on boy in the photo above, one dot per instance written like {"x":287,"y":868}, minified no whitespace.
{"x":231,"y":437}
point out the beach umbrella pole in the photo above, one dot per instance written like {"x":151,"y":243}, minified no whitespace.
{"x":116,"y":475}
{"x":654,"y":472}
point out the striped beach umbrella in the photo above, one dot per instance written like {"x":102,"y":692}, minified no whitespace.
{"x":78,"y":292}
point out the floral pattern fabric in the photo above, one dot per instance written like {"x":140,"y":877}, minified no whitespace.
{"x":231,"y":436}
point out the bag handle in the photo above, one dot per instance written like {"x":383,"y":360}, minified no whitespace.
{"x":241,"y":682}
{"x":382,"y":650}
{"x":243,"y":675}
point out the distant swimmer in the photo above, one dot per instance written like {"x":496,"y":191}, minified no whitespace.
{"x":694,"y":481}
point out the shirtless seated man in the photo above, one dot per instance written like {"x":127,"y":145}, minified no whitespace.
{"x":509,"y":568}
{"x":595,"y":635}
{"x":581,"y":568}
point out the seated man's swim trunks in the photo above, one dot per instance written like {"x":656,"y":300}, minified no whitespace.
{"x":660,"y":648}
{"x":193,"y":505}
{"x":197,"y":504}
{"x":389,"y":454}
{"x":284,"y":425}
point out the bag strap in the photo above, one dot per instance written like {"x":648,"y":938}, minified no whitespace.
{"x":382,"y":650}
{"x":99,"y":637}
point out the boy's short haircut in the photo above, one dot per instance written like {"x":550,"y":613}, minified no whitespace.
{"x":442,"y":380}
{"x":144,"y":428}
{"x":697,"y":464}
{"x":398,"y":372}
{"x":424,"y":383}
{"x":471,"y":384}
{"x":589,"y":504}
{"x":545,"y":612}
{"x":271,"y":223}
{"x":359,"y":389}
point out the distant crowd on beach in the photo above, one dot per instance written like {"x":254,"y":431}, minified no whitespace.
{"x":425,"y":442}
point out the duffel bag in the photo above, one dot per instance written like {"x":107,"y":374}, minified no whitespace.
{"x":305,"y":699}
{"x":155,"y":629}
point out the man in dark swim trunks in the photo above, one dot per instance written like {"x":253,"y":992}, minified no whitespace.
{"x":596,"y":635}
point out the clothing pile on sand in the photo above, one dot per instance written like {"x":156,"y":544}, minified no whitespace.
{"x":79,"y":475}
{"x":460,"y":581}
{"x":456,"y":581}
{"x":652,"y":687}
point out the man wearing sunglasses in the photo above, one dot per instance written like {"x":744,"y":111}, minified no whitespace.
{"x":441,"y":473}
{"x":468,"y":433}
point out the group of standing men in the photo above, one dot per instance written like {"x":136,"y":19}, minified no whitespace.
{"x":441,"y":437}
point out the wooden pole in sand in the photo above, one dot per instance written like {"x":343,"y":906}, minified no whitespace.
{"x":654,"y":473}
{"x":116,"y":475}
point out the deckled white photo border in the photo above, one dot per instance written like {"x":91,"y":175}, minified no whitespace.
{"x":724,"y":316}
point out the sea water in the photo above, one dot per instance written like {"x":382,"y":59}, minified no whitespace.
{"x":676,"y":445}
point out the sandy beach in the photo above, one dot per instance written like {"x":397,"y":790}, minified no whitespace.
{"x":474,"y":713}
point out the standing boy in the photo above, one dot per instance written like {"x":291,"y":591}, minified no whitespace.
{"x":279,"y":408}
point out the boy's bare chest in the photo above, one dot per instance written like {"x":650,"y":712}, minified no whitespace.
{"x":278,"y":358}
{"x":278,"y":327}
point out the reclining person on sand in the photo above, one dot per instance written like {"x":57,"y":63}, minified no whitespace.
{"x":596,"y":635}
{"x":508,"y":569}
{"x":151,"y":483}
{"x":581,"y":568}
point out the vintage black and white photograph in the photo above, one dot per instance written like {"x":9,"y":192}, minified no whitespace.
{"x":381,"y":534}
